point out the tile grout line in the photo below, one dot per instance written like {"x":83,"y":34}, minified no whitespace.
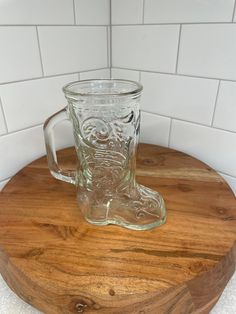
{"x":179,"y":119}
{"x":117,"y":67}
{"x":74,"y":12}
{"x":134,"y":24}
{"x":188,"y":121}
{"x":215,"y":104}
{"x":40,"y":52}
{"x":143,"y":11}
{"x":49,"y":76}
{"x":4,"y":116}
{"x":110,"y":33}
{"x":170,"y":130}
{"x":49,"y":25}
{"x":177,"y":74}
{"x":108,"y":47}
{"x":175,"y":23}
{"x":234,"y":10}
{"x":24,"y":129}
{"x":96,"y":69}
{"x":178,"y":49}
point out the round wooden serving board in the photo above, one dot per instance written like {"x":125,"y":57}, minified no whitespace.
{"x":56,"y":261}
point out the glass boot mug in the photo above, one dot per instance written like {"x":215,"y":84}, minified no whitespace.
{"x":106,"y":121}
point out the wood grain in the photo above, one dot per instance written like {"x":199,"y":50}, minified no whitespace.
{"x":56,"y":261}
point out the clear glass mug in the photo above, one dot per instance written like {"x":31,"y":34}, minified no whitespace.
{"x":106,"y":121}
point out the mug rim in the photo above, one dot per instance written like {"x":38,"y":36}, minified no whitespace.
{"x":135,"y":91}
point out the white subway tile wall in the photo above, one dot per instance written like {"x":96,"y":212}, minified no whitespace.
{"x":43,"y":47}
{"x":66,"y":49}
{"x":150,"y":122}
{"x":96,"y":74}
{"x":3,"y":128}
{"x":188,"y":11}
{"x":127,"y":11}
{"x":19,"y":53}
{"x":183,"y":52}
{"x":225,"y":113}
{"x":187,"y":98}
{"x":63,"y":135}
{"x":92,"y":12}
{"x":125,"y":74}
{"x":36,"y":12}
{"x":208,"y":51}
{"x":31,"y":102}
{"x":20,"y":148}
{"x":145,"y":47}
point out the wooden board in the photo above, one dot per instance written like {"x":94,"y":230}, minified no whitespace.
{"x":56,"y":261}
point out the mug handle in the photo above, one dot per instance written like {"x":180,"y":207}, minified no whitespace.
{"x":63,"y":175}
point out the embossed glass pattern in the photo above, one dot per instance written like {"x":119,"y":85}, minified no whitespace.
{"x":106,"y":122}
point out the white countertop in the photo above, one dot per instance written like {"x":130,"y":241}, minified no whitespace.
{"x":10,"y":303}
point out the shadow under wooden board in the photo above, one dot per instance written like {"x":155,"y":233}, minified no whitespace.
{"x":56,"y":261}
